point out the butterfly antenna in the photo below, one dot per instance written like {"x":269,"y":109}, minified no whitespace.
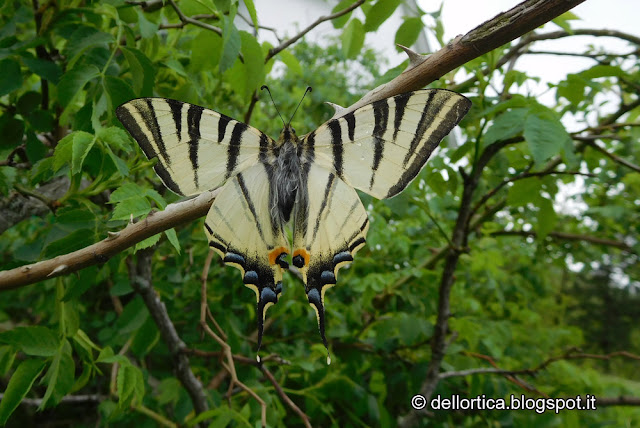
{"x":274,"y":103}
{"x":309,"y":89}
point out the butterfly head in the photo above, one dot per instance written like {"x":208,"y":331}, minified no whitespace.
{"x":288,"y":134}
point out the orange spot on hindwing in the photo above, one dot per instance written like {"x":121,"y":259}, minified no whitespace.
{"x":275,"y":253}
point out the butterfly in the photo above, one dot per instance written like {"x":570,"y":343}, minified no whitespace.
{"x":309,"y":181}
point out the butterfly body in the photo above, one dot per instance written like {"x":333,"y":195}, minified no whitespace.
{"x":308,"y":182}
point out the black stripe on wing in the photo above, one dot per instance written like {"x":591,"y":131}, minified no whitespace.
{"x":135,"y":129}
{"x":450,"y":119}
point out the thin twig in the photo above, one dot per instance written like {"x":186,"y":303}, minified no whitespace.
{"x":189,"y":20}
{"x":274,"y":51}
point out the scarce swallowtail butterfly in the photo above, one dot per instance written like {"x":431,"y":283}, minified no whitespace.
{"x":310,"y":181}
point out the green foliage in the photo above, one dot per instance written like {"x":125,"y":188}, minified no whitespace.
{"x":549,"y":262}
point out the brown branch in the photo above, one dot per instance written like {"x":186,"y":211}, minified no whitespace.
{"x":494,"y":33}
{"x":140,"y":276}
{"x":99,"y":253}
{"x":284,"y":397}
{"x":569,"y":237}
{"x":522,"y":176}
{"x":613,"y":156}
{"x":226,"y":349}
{"x":190,"y":20}
{"x":282,"y":46}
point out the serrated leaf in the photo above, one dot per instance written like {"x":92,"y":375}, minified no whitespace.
{"x":291,"y":62}
{"x":409,"y":31}
{"x":18,"y":387}
{"x":506,"y":125}
{"x":545,"y":135}
{"x":115,"y":137}
{"x":130,"y":199}
{"x":73,"y":81}
{"x":231,"y":43}
{"x":341,"y":20}
{"x":59,"y":377}
{"x":353,"y":38}
{"x":562,"y":21}
{"x":146,"y":243}
{"x":379,"y":13}
{"x":35,"y":340}
{"x":82,"y":144}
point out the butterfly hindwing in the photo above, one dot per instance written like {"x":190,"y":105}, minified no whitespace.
{"x":330,"y":227}
{"x":381,"y":147}
{"x":197,"y":149}
{"x":242,"y":231}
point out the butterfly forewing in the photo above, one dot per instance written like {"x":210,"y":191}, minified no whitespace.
{"x":381,"y":147}
{"x":197,"y":149}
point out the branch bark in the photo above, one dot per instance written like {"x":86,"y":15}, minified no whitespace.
{"x":141,"y":273}
{"x":99,"y":253}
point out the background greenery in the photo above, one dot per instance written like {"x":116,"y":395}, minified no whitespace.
{"x":538,"y":286}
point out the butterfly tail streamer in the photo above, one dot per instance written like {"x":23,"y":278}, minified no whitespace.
{"x":315,"y":300}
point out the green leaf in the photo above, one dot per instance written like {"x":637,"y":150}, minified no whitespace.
{"x":547,"y":218}
{"x":524,"y":191}
{"x":74,"y":241}
{"x":48,"y":70}
{"x":118,"y":90}
{"x":73,"y":81}
{"x":142,"y":71}
{"x":342,"y":20}
{"x":130,"y":385}
{"x":63,"y":152}
{"x":149,"y":242}
{"x":133,"y":316}
{"x":173,"y":239}
{"x":251,"y":8}
{"x":7,"y":356}
{"x":129,"y":199}
{"x":253,"y":62}
{"x":35,"y":340}
{"x":206,"y":49}
{"x":291,"y":62}
{"x":148,"y":29}
{"x":83,"y":38}
{"x":379,"y":13}
{"x":544,"y":133}
{"x":12,"y":131}
{"x":231,"y":42}
{"x":18,"y":387}
{"x":115,"y":137}
{"x":506,"y":125}
{"x":59,"y":377}
{"x":353,"y":38}
{"x":562,"y":21}
{"x":11,"y":77}
{"x":82,"y":143}
{"x":409,"y":31}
